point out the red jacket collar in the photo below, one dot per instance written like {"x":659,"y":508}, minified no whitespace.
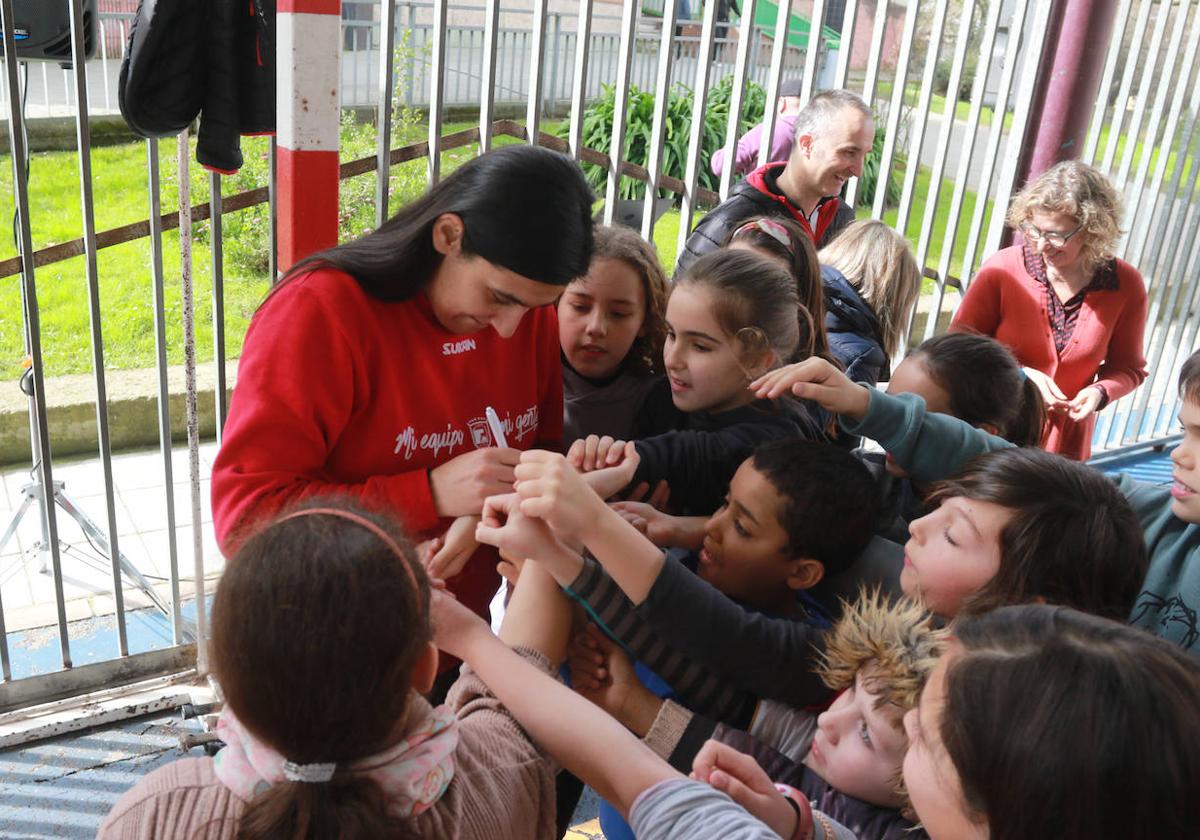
{"x":764,"y":179}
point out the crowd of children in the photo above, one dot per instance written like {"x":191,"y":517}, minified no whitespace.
{"x":718,"y":612}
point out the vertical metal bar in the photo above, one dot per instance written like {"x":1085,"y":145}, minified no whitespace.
{"x":383,"y":127}
{"x":921,"y":117}
{"x":942,"y":151}
{"x":410,"y":76}
{"x":1008,"y":172}
{"x":104,"y":62}
{"x":187,"y":302}
{"x":5,"y":661}
{"x":879,"y":27}
{"x":1160,"y":97}
{"x":437,"y":86}
{"x":533,"y":106}
{"x":551,"y":98}
{"x":39,"y":429}
{"x":164,"y":393}
{"x":849,"y":19}
{"x":487,"y":88}
{"x":273,"y":210}
{"x":816,"y":33}
{"x":771,"y":110}
{"x":736,"y":97}
{"x":878,"y":30}
{"x":1114,"y":130}
{"x":1139,"y":107}
{"x":83,"y":137}
{"x":891,"y":136}
{"x":616,"y":148}
{"x":662,"y":85}
{"x":1110,"y":69}
{"x":982,"y":71}
{"x":579,"y":82}
{"x":691,"y":174}
{"x":218,"y":302}
{"x":987,"y":170}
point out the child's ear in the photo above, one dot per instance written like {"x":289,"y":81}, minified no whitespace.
{"x":765,"y":361}
{"x":990,"y":428}
{"x":806,"y":573}
{"x":424,"y":670}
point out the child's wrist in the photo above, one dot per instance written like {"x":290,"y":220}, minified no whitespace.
{"x":801,"y":811}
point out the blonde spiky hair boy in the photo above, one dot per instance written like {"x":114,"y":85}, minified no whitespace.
{"x":893,"y":643}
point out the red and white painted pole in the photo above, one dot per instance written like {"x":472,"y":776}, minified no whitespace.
{"x":307,"y":114}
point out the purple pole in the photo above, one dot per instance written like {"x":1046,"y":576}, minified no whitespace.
{"x":1071,"y":66}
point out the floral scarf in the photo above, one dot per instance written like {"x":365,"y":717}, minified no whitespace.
{"x":413,"y":773}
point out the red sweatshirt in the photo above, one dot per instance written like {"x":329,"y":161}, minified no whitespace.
{"x":340,"y":393}
{"x":1004,"y":302}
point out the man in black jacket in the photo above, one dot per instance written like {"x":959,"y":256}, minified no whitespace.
{"x":834,"y":133}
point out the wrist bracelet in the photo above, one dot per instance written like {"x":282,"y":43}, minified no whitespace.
{"x":803,"y":809}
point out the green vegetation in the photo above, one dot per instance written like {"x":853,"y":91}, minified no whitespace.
{"x":120,"y":193}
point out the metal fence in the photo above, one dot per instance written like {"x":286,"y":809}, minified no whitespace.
{"x":956,"y":157}
{"x":51,"y":91}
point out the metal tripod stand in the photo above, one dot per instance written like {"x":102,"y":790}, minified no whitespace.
{"x":34,"y":494}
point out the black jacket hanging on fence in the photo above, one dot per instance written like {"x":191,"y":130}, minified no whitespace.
{"x":215,"y":59}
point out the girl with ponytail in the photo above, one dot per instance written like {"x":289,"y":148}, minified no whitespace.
{"x":323,"y":646}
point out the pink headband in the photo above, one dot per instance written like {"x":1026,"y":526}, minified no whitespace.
{"x":771,"y":228}
{"x":365,"y":523}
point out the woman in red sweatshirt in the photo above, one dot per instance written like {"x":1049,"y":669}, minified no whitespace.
{"x":368,"y":370}
{"x":1072,"y":313}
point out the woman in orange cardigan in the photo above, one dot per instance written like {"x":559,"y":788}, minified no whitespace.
{"x":1072,"y":313}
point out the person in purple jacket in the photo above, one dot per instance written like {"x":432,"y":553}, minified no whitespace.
{"x":746,"y":155}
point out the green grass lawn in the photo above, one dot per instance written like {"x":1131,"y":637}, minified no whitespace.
{"x":126,"y":289}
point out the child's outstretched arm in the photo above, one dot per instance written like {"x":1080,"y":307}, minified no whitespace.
{"x":928,"y":446}
{"x":582,"y":737}
{"x":550,"y":489}
{"x":524,"y":536}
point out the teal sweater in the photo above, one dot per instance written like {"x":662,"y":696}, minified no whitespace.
{"x":934,"y":446}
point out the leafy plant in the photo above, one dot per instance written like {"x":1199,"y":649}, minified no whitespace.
{"x":870,"y":176}
{"x":598,"y":123}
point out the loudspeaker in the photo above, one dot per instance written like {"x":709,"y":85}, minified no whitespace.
{"x":42,"y":30}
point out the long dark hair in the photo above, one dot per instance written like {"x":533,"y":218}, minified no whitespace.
{"x":1073,"y":538}
{"x":755,"y":301}
{"x":525,"y":208}
{"x":316,"y":626}
{"x":1066,"y":725}
{"x":799,"y":256}
{"x":985,"y":385}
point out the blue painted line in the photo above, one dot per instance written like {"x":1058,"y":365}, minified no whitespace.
{"x":36,"y":651}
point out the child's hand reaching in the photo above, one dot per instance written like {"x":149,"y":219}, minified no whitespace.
{"x":505,"y":526}
{"x":452,"y":551}
{"x":603,"y":673}
{"x":739,"y":776}
{"x":817,"y":380}
{"x":595,"y":453}
{"x":551,"y":490}
{"x":658,"y":527}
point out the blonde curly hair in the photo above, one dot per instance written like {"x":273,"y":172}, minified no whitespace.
{"x":893,"y":644}
{"x":1082,"y":192}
